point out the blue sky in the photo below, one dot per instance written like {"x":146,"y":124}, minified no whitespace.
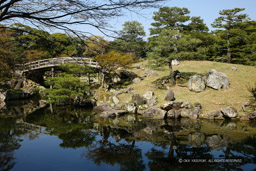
{"x":208,"y":10}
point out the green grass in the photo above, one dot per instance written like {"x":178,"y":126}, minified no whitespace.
{"x":211,"y":99}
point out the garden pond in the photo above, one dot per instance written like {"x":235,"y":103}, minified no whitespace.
{"x":70,"y":138}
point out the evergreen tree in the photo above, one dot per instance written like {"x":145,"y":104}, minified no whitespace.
{"x":173,"y":18}
{"x":230,"y":20}
{"x":131,"y":39}
{"x":171,"y":44}
{"x":67,"y":88}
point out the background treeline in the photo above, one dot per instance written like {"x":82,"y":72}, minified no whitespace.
{"x":174,"y":34}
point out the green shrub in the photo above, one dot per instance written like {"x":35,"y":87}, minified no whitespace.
{"x":65,"y":89}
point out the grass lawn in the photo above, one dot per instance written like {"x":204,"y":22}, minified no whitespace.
{"x":211,"y":99}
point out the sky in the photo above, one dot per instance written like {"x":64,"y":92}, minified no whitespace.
{"x":208,"y":10}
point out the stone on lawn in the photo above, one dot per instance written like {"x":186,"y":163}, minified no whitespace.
{"x":197,"y":83}
{"x":217,"y":80}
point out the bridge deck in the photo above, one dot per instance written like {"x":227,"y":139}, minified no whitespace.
{"x":52,"y":62}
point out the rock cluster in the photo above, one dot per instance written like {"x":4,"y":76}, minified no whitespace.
{"x":114,"y":104}
{"x":214,"y":142}
{"x":18,"y":89}
{"x":214,"y":79}
{"x":154,"y":113}
{"x":173,"y":109}
{"x":224,"y":113}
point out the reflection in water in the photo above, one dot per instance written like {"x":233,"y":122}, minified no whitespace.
{"x":130,"y":142}
{"x":9,"y":141}
{"x":77,"y":138}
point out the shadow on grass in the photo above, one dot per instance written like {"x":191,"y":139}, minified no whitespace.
{"x":184,"y":77}
{"x":162,"y":82}
{"x":121,"y":85}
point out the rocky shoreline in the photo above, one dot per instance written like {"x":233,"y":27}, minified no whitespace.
{"x":109,"y":104}
{"x":146,"y":107}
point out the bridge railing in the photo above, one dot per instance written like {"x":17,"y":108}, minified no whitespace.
{"x":51,"y":62}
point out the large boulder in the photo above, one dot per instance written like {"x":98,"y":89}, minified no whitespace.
{"x":216,"y":142}
{"x":252,"y":116}
{"x":187,"y":105}
{"x":2,"y":100}
{"x":196,"y":139}
{"x":143,"y":107}
{"x":112,"y":113}
{"x":213,"y":115}
{"x":148,"y":95}
{"x":198,"y":105}
{"x":217,"y":80}
{"x":154,"y":113}
{"x":229,"y":126}
{"x":229,"y":112}
{"x":169,"y":96}
{"x":197,"y":83}
{"x":136,"y":98}
{"x":185,"y":113}
{"x":136,"y":80}
{"x":174,"y":114}
{"x":115,"y":99}
{"x":2,"y":96}
{"x":172,"y":105}
{"x":152,"y":101}
{"x":2,"y":105}
{"x":195,"y":113}
{"x":131,"y":108}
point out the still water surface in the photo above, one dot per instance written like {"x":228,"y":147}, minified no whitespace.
{"x":75,"y":139}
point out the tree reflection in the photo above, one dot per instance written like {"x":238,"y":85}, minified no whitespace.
{"x":115,"y":142}
{"x":9,"y":141}
{"x":242,"y":153}
{"x":77,"y":138}
{"x":245,"y":150}
{"x":126,"y":154}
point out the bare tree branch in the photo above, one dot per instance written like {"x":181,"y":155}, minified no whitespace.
{"x":62,"y":14}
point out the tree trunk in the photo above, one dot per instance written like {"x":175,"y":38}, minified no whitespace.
{"x":228,"y":47}
{"x":171,"y":73}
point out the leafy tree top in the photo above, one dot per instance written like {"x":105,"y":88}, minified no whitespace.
{"x":112,"y":60}
{"x":95,"y":45}
{"x":169,"y":17}
{"x":197,"y":25}
{"x":230,"y":18}
{"x":133,"y":31}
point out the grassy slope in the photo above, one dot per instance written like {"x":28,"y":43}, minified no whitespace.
{"x":210,"y":99}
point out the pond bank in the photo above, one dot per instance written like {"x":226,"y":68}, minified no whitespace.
{"x":122,"y":142}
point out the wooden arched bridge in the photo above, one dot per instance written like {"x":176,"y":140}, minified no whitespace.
{"x":53,"y":62}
